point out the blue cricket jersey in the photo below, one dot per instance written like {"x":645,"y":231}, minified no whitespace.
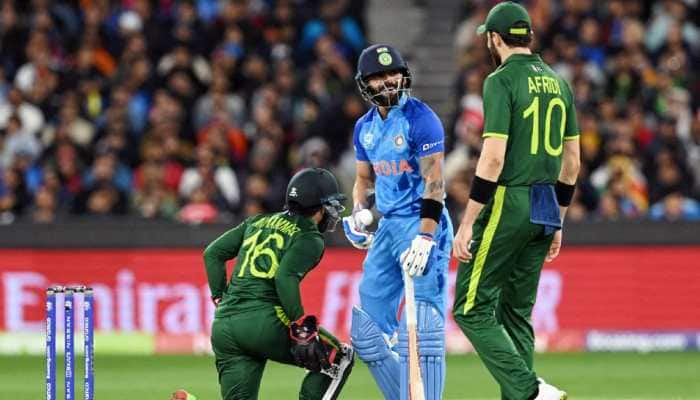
{"x":394,"y":146}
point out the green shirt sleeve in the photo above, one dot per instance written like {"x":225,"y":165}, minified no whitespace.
{"x":497,"y":107}
{"x":304,"y":253}
{"x":224,"y":248}
{"x":571,"y":129}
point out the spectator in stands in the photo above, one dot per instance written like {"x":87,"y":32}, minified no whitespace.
{"x":264,"y":161}
{"x":199,"y":208}
{"x":13,"y":195}
{"x":70,"y":124}
{"x":692,"y":145}
{"x":31,"y":117}
{"x":215,"y":182}
{"x":16,"y":141}
{"x":107,"y":168}
{"x":314,"y":153}
{"x":45,"y":206}
{"x":675,"y":207}
{"x":152,"y":197}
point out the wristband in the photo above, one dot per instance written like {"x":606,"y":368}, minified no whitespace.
{"x":565,"y":193}
{"x":432,"y":209}
{"x":482,"y":190}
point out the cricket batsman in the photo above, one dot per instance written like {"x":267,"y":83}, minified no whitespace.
{"x":524,"y":183}
{"x":259,"y":315}
{"x":399,"y":148}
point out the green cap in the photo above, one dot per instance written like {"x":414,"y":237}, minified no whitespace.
{"x":503,"y":16}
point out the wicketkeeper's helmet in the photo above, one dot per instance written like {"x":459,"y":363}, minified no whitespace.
{"x":313,"y":188}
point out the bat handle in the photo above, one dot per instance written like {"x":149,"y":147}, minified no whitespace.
{"x":417,"y":391}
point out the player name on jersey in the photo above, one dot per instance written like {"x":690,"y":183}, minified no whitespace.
{"x":543,"y":84}
{"x":278,"y":223}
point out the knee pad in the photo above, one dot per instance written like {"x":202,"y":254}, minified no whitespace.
{"x":372,"y":347}
{"x":431,"y":350}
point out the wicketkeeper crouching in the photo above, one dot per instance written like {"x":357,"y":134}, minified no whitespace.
{"x":259,"y":315}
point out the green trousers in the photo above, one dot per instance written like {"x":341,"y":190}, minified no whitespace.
{"x":496,"y":290}
{"x":242,"y":345}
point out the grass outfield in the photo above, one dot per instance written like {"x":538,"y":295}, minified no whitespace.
{"x":585,"y":376}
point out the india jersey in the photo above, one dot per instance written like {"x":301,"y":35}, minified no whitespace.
{"x":532,"y":107}
{"x":394,"y":146}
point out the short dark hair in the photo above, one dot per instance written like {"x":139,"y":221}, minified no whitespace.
{"x":518,"y":40}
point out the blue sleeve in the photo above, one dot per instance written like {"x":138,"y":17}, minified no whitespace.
{"x":427,"y":133}
{"x":360,"y":153}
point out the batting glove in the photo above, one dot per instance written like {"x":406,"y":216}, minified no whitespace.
{"x":357,"y":233}
{"x":414,"y":260}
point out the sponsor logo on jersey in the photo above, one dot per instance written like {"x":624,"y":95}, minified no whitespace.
{"x":428,"y":146}
{"x":368,"y":140}
{"x":392,"y":167}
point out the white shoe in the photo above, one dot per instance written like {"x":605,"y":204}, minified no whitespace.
{"x":549,"y":392}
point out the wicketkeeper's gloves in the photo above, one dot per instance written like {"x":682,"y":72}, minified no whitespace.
{"x":308,"y":350}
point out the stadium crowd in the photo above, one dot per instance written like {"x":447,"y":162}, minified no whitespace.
{"x":633,"y":66}
{"x":195,"y":110}
{"x":200,"y":110}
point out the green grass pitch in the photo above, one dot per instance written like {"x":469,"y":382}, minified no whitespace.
{"x":586,"y":376}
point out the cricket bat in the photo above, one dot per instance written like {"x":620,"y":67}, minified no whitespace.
{"x":415,"y":379}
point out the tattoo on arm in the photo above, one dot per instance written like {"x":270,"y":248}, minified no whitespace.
{"x":431,"y":169}
{"x":364,"y":181}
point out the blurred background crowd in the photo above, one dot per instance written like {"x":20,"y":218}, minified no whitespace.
{"x":633,"y":66}
{"x":199,"y":111}
{"x":196,"y":110}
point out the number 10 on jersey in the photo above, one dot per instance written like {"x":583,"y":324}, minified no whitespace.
{"x":534,"y":110}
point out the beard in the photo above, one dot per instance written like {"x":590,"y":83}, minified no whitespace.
{"x":495,"y":58}
{"x":389,"y":95}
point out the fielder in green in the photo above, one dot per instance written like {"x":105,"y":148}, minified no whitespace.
{"x":524,"y":182}
{"x":259,"y":315}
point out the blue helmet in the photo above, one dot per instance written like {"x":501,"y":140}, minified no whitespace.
{"x":376,"y":59}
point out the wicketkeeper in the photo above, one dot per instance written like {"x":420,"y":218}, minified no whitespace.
{"x":259,"y":315}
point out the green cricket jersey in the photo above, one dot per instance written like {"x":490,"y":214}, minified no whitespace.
{"x":273,"y":254}
{"x":532,"y":107}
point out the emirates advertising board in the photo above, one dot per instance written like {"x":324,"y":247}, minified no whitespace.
{"x":157,"y":300}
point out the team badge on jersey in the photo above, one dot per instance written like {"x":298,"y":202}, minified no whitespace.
{"x":399,"y":141}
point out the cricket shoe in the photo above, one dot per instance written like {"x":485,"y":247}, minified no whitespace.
{"x":549,"y":392}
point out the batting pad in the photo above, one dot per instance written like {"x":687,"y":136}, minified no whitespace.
{"x":372,"y":348}
{"x":431,"y":351}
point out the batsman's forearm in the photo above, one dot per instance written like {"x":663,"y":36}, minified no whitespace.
{"x":431,"y":169}
{"x":359,"y":192}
